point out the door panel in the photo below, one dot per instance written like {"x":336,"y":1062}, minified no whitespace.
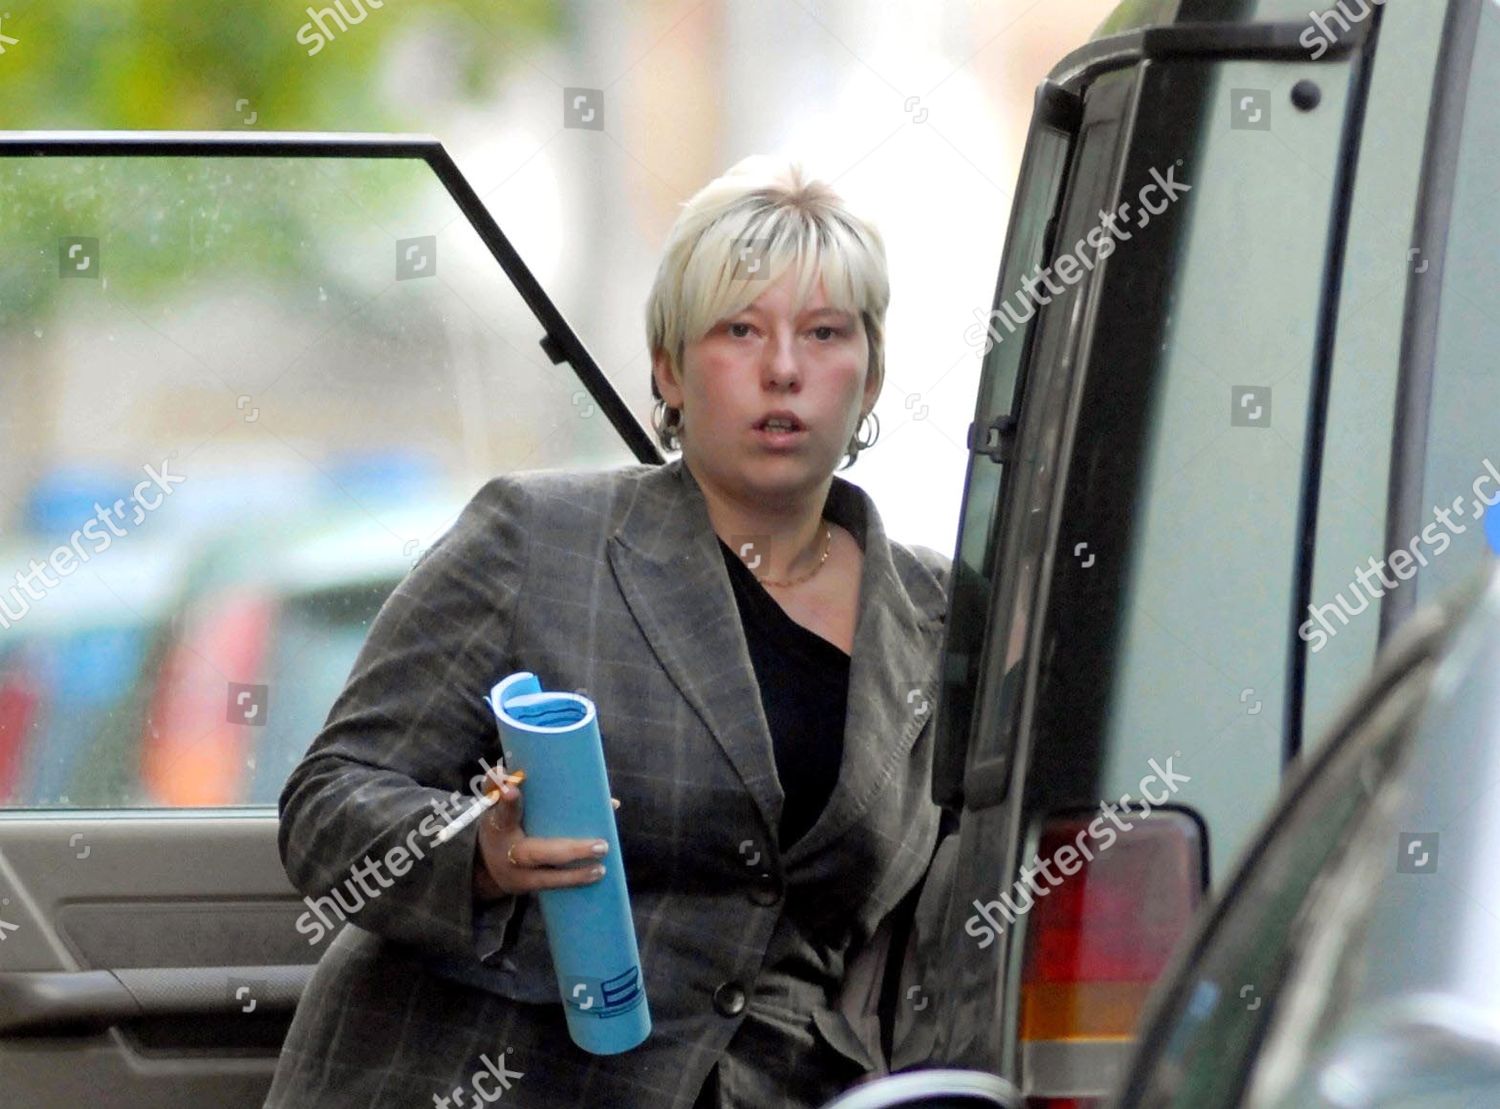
{"x":155,"y":958}
{"x":249,"y":380}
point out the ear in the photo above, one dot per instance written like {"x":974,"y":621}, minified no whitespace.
{"x":666,"y":383}
{"x":873,"y":385}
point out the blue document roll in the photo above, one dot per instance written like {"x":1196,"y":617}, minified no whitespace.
{"x":554,"y":737}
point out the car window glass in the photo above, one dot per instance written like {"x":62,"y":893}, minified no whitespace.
{"x":1001,"y":382}
{"x":242,"y":395}
{"x":1089,"y":185}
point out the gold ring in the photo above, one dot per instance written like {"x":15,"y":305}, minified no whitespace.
{"x":508,"y":851}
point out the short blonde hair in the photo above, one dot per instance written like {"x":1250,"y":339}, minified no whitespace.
{"x":771,"y":210}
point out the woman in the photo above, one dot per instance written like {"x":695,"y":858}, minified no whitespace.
{"x":763,"y":660}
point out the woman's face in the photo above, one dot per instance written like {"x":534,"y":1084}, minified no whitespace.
{"x":767,"y":358}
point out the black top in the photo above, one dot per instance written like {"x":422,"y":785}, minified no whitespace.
{"x":804,"y":689}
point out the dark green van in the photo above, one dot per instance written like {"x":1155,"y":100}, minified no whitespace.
{"x":1233,"y":427}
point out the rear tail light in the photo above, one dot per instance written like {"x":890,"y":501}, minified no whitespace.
{"x":1097,"y":941}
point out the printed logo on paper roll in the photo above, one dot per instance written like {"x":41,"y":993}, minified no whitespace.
{"x":605,"y":997}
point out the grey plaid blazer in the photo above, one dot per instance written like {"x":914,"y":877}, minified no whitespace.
{"x":612,"y":584}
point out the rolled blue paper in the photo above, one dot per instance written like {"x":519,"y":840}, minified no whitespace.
{"x":554,"y":737}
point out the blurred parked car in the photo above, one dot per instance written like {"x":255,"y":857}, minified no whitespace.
{"x":71,"y":669}
{"x":260,"y":641}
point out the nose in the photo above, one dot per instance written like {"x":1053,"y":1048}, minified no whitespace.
{"x":781,"y":370}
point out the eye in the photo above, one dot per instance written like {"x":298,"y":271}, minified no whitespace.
{"x":739,"y":324}
{"x":831,"y":332}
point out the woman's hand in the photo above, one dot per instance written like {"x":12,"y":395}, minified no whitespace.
{"x":507,"y":861}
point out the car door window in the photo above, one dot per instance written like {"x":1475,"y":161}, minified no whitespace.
{"x":1002,"y":382}
{"x":242,"y":395}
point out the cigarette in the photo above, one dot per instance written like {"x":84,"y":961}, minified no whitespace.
{"x":476,"y":809}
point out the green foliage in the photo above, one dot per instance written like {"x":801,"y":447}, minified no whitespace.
{"x":167,"y":224}
{"x":184,"y":64}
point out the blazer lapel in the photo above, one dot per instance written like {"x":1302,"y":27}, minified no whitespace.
{"x":665,"y":556}
{"x":892,"y":671}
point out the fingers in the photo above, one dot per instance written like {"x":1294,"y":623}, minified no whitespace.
{"x":505,"y":814}
{"x":529,"y":880}
{"x":554,"y":878}
{"x":524,"y":864}
{"x":510,"y":796}
{"x":533,"y":851}
{"x":503,"y":782}
{"x":552,"y":862}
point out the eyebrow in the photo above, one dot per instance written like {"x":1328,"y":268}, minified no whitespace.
{"x":841,"y":313}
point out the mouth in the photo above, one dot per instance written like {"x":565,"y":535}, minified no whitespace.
{"x":779,"y":423}
{"x":780,"y":431}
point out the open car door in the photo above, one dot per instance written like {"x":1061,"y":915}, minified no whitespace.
{"x":248,"y":380}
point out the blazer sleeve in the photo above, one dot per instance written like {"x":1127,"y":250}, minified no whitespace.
{"x":409,"y":730}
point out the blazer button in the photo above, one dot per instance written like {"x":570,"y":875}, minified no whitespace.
{"x":765,"y":889}
{"x":729,"y":999}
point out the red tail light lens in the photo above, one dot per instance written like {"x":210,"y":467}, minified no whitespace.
{"x":1098,"y":940}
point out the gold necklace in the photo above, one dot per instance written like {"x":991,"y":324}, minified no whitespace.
{"x":827,"y":546}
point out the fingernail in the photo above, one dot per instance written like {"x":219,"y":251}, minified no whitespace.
{"x":507,"y":791}
{"x":599,"y":871}
{"x":599,"y":848}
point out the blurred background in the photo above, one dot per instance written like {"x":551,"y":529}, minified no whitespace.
{"x":327,"y":361}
